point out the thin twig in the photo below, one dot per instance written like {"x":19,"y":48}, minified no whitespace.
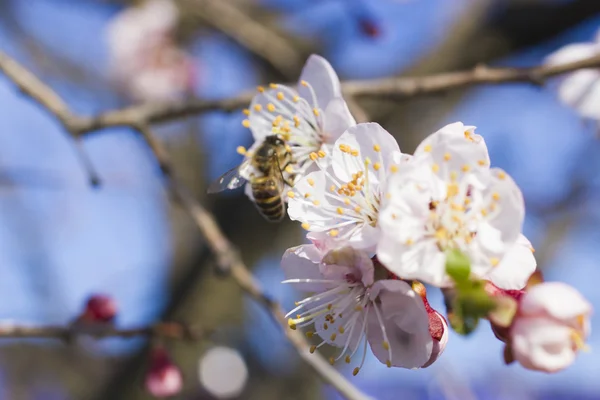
{"x":165,"y":330}
{"x":392,"y":88}
{"x":227,"y":256}
{"x":260,"y":40}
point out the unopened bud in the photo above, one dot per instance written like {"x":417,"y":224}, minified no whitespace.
{"x":163,"y":378}
{"x":99,"y":309}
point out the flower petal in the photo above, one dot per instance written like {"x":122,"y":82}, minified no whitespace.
{"x":557,"y":299}
{"x":302,"y":262}
{"x":337,"y":119}
{"x":322,"y":77}
{"x":455,"y":149}
{"x":406,"y":324}
{"x":541,"y":344}
{"x":516,"y":267}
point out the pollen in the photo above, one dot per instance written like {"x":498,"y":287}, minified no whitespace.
{"x":358,"y":308}
{"x":246,"y":123}
{"x":340,"y":210}
{"x":313,"y":156}
{"x":447,"y":157}
{"x":435,"y":167}
{"x":377,"y":148}
{"x":260,"y":89}
{"x":334,"y":232}
{"x":468,"y":136}
{"x":292,"y":324}
{"x":465,"y":168}
{"x":305,"y":226}
{"x":241,"y":150}
{"x":427,"y":148}
{"x":291,"y":194}
{"x":356,"y":371}
{"x":246,"y":112}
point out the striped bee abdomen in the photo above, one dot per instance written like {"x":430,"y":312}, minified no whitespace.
{"x":267,"y":197}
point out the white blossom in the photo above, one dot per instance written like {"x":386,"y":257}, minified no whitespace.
{"x":446,"y":198}
{"x":551,"y":325}
{"x":145,"y":62}
{"x":579,"y":89}
{"x":309,"y":117}
{"x":349,"y":309}
{"x":342,"y":199}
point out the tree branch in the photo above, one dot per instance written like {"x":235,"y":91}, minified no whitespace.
{"x":227,"y":256}
{"x":394,"y":88}
{"x":166,"y":330}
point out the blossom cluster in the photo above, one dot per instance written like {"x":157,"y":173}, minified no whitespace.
{"x":382,"y":223}
{"x":145,"y":61}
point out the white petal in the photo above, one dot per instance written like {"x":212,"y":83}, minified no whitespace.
{"x":322,"y":77}
{"x":557,"y":299}
{"x":406,"y":324}
{"x":337,"y":119}
{"x":516,"y":267}
{"x":302,"y":262}
{"x":455,"y":148}
{"x":312,"y":209}
{"x":541,"y":344}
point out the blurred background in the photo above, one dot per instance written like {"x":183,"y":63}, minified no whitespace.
{"x":62,"y":240}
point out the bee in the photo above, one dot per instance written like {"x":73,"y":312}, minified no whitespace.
{"x":265,"y":171}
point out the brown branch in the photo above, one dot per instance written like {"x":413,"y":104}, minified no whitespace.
{"x":394,"y":88}
{"x":165,"y":330}
{"x":260,"y":40}
{"x":227,"y":256}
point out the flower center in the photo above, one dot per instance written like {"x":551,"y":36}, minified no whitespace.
{"x":342,"y":310}
{"x":297,"y":120}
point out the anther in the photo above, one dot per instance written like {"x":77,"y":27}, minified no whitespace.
{"x":334,"y":232}
{"x":427,"y":148}
{"x":316,"y":112}
{"x":271,"y":107}
{"x":394,"y":169}
{"x":332,"y":188}
{"x":325,"y":326}
{"x":296,"y":121}
{"x":435,"y":167}
{"x":241,"y":150}
{"x":289,"y":169}
{"x":347,"y":201}
{"x":494,"y":261}
{"x":496,"y":196}
{"x":333,"y":336}
{"x":447,"y":157}
{"x":304,"y":83}
{"x":321,"y":154}
{"x":385,"y":345}
{"x":316,"y":202}
{"x":465,"y":168}
{"x":341,"y":330}
{"x":309,"y":334}
{"x":273,"y":85}
{"x":340,"y":210}
{"x":355,"y":372}
{"x":246,"y":112}
{"x":291,"y":194}
{"x":376,"y":166}
{"x":313,"y":156}
{"x":312,"y":349}
{"x":305,"y":226}
{"x":257,"y":107}
{"x":481,"y":163}
{"x":291,"y":324}
{"x":296,"y":98}
{"x":280,"y":96}
{"x":377,"y":148}
{"x":388,"y":363}
{"x":331,"y":360}
{"x":246,"y":123}
{"x":501,"y":175}
{"x":260,"y":89}
{"x":354,"y":152}
{"x":347,"y":359}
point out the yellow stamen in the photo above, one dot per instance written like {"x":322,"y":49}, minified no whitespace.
{"x":246,"y":123}
{"x":394,"y":168}
{"x":321,"y":154}
{"x":376,"y":166}
{"x":311,"y":181}
{"x":241,"y":150}
{"x":257,"y":107}
{"x":347,"y":359}
{"x":447,"y":157}
{"x":435,"y":167}
{"x":260,"y":89}
{"x":377,"y":148}
{"x":334,"y":232}
{"x":481,"y":163}
{"x":316,"y":112}
{"x":313,"y":156}
{"x":305,"y":226}
{"x":355,"y":372}
{"x":333,"y":336}
{"x":340,"y":210}
{"x":246,"y":112}
{"x":388,"y":363}
{"x":501,"y":175}
{"x":465,"y":168}
{"x":292,"y":324}
{"x":385,"y":345}
{"x":427,"y":148}
{"x":496,"y":196}
{"x":312,"y":349}
{"x":494,"y":261}
{"x":304,"y":83}
{"x":290,"y":194}
{"x":331,"y":360}
{"x":309,"y":334}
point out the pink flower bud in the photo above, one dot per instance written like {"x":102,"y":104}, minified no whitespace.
{"x":163,"y":378}
{"x":438,"y":326}
{"x":99,"y":309}
{"x":551,"y":325}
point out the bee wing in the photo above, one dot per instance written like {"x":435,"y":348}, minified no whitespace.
{"x":231,"y":179}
